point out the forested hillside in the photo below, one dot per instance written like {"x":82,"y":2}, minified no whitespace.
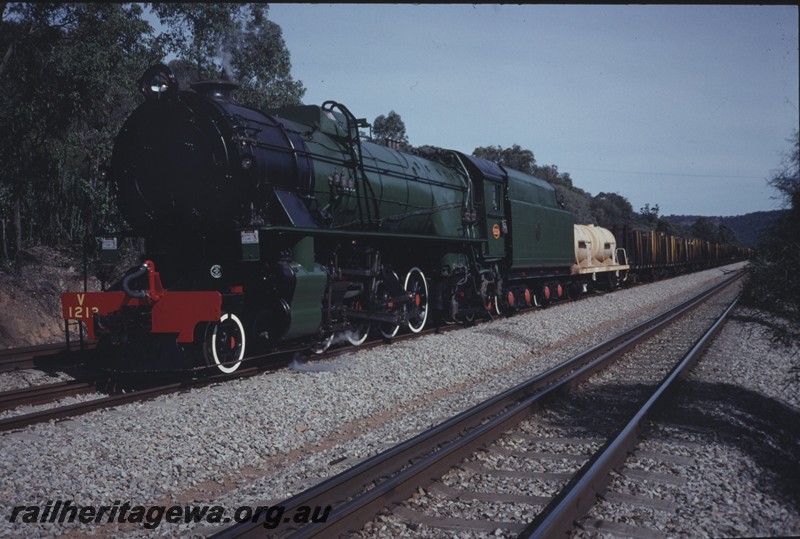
{"x":66,"y":85}
{"x":749,"y":228}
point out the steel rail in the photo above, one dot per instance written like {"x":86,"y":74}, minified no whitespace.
{"x":44,"y":393}
{"x":80,"y":408}
{"x":580,"y":494}
{"x":266,"y":362}
{"x":110,"y":401}
{"x":427,"y":456}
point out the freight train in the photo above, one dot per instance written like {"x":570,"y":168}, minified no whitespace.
{"x":287,"y":226}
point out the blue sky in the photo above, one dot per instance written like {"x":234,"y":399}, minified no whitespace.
{"x":687,"y":107}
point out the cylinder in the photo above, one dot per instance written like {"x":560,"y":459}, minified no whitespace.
{"x":594,"y":246}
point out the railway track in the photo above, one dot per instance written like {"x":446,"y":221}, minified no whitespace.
{"x":252,"y":366}
{"x":12,"y":399}
{"x":44,"y":356}
{"x":44,"y":393}
{"x":120,"y":392}
{"x":415,"y":468}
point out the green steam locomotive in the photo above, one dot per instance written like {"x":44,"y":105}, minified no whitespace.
{"x":264,"y":228}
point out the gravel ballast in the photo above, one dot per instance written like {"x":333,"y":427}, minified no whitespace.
{"x":263,"y":439}
{"x":733,"y":425}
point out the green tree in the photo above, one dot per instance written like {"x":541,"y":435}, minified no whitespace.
{"x":577,"y":202}
{"x":514,"y":157}
{"x":199,"y":33}
{"x":704,"y":229}
{"x":551,"y":174}
{"x":612,"y":209}
{"x":668,"y":227}
{"x":726,"y":234}
{"x":236,"y":41}
{"x":390,"y":127}
{"x":649,"y":216}
{"x":65,"y":86}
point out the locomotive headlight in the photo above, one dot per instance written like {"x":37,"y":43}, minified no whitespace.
{"x":247,"y":162}
{"x":158,"y":81}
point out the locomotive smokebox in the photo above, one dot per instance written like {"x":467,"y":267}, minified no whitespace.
{"x":174,"y":163}
{"x":197,"y":160}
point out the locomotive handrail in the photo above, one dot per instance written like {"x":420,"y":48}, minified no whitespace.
{"x":358,"y":160}
{"x":468,"y":203}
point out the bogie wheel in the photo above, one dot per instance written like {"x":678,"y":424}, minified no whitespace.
{"x":224,"y":343}
{"x":613,"y":280}
{"x":417,"y":286}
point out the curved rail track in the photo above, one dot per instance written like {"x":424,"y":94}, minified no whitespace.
{"x":385,"y":480}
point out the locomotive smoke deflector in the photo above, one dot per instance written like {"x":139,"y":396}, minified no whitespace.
{"x":158,"y":81}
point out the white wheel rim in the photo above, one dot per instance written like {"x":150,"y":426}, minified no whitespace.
{"x":215,"y":355}
{"x":354,"y":338}
{"x":389,"y":334}
{"x":421,"y":325}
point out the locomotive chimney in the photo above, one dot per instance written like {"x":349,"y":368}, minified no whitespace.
{"x":221,"y":90}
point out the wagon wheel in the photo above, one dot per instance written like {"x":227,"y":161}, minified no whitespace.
{"x":417,"y":286}
{"x":612,"y":280}
{"x":224,"y":343}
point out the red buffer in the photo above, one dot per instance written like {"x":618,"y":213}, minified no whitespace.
{"x":172,"y":312}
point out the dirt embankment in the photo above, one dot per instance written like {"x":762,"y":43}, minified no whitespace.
{"x":30,"y":296}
